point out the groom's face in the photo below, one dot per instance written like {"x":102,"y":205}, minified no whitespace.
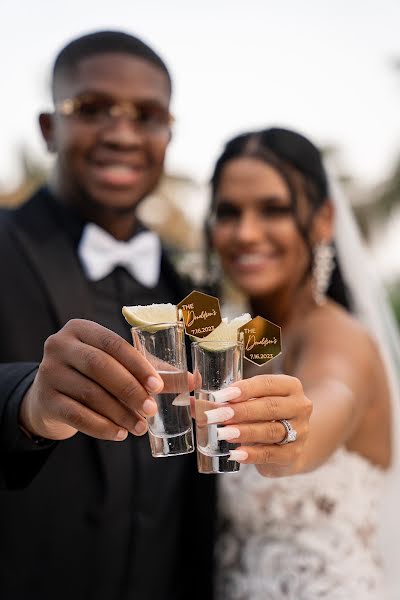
{"x":110,"y":130}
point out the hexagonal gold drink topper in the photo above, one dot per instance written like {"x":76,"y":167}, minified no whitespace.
{"x":261,"y":339}
{"x":201,"y":313}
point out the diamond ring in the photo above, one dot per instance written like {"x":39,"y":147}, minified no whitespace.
{"x":291,"y":433}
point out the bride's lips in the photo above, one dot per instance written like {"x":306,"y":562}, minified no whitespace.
{"x":251,"y":262}
{"x":117,"y":174}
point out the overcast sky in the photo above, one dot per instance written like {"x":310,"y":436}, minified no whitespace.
{"x":324,"y":67}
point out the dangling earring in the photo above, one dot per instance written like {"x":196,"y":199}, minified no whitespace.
{"x":323,"y":265}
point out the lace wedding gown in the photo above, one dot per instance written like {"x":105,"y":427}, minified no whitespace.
{"x":307,"y":537}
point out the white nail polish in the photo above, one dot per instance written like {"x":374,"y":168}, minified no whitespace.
{"x":228,"y":433}
{"x":238,"y":455}
{"x":182,"y":400}
{"x":226,"y":394}
{"x":219,"y":415}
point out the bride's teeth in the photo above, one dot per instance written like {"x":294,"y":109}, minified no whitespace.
{"x":250,"y":259}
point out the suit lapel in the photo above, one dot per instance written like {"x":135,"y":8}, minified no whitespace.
{"x":53,"y":258}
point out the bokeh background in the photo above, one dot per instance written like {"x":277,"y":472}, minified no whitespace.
{"x":330,"y":69}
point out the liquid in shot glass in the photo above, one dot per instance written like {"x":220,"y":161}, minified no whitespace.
{"x":170,"y":429}
{"x":216,"y":365}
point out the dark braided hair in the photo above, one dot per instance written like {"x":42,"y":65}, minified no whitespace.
{"x":101,"y":42}
{"x":295,"y":158}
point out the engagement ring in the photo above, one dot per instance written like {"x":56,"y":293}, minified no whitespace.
{"x":291,"y":433}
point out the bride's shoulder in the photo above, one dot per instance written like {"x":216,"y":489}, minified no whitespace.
{"x":331,"y":324}
{"x":333,"y":315}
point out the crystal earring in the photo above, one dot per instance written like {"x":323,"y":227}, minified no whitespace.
{"x":323,"y":265}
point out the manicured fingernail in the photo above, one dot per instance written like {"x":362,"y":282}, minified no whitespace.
{"x":238,"y":455}
{"x":227,"y":394}
{"x":228,"y":433}
{"x":149,"y":407}
{"x":219,"y":415}
{"x":182,"y":400}
{"x":140,"y":428}
{"x":121,"y":435}
{"x":154,"y":384}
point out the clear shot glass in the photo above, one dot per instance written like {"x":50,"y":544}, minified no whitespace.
{"x":216,"y":366}
{"x":170,"y":430}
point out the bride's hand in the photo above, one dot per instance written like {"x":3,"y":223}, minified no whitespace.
{"x":252,"y":419}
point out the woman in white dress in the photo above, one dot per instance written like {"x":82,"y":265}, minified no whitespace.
{"x":315,"y":535}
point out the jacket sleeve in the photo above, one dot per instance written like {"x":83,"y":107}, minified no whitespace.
{"x":20,"y":457}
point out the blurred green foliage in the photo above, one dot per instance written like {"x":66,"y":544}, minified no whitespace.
{"x":394,"y":296}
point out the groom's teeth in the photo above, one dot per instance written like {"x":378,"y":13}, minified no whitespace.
{"x":117,"y":168}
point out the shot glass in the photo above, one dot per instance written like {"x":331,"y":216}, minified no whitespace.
{"x":170,"y":430}
{"x":216,"y":366}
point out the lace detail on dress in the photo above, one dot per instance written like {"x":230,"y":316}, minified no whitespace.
{"x":307,"y":537}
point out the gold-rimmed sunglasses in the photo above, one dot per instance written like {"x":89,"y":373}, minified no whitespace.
{"x":102,"y":111}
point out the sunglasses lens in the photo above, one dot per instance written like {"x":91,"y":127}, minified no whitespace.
{"x":98,"y":110}
{"x":94,"y":109}
{"x":153,"y":115}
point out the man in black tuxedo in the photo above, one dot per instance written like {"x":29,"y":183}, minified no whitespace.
{"x":88,"y":518}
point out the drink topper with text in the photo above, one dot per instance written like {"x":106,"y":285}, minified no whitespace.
{"x":261,"y":339}
{"x":201,"y":314}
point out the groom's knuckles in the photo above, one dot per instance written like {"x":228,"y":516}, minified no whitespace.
{"x":111,"y":343}
{"x":98,"y":400}
{"x":46,"y":371}
{"x":139,"y":366}
{"x":96,"y":337}
{"x":110,"y":374}
{"x":89,"y":332}
{"x":132,"y":393}
{"x":89,"y":360}
{"x":125,"y":354}
{"x":72,"y":413}
{"x":54,"y":347}
{"x":78,"y":416}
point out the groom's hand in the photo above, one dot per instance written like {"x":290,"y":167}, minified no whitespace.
{"x":90,"y":380}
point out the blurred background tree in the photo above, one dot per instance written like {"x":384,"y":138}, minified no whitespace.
{"x":32,"y":176}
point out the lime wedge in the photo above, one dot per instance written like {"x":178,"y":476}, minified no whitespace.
{"x":225,"y":334}
{"x":150,"y":317}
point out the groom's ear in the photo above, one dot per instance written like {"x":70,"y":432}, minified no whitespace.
{"x":323,"y":229}
{"x":46,"y":124}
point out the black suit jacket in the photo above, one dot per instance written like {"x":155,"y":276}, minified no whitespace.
{"x":92,"y":523}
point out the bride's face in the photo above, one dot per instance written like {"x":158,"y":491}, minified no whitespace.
{"x":255,"y":232}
